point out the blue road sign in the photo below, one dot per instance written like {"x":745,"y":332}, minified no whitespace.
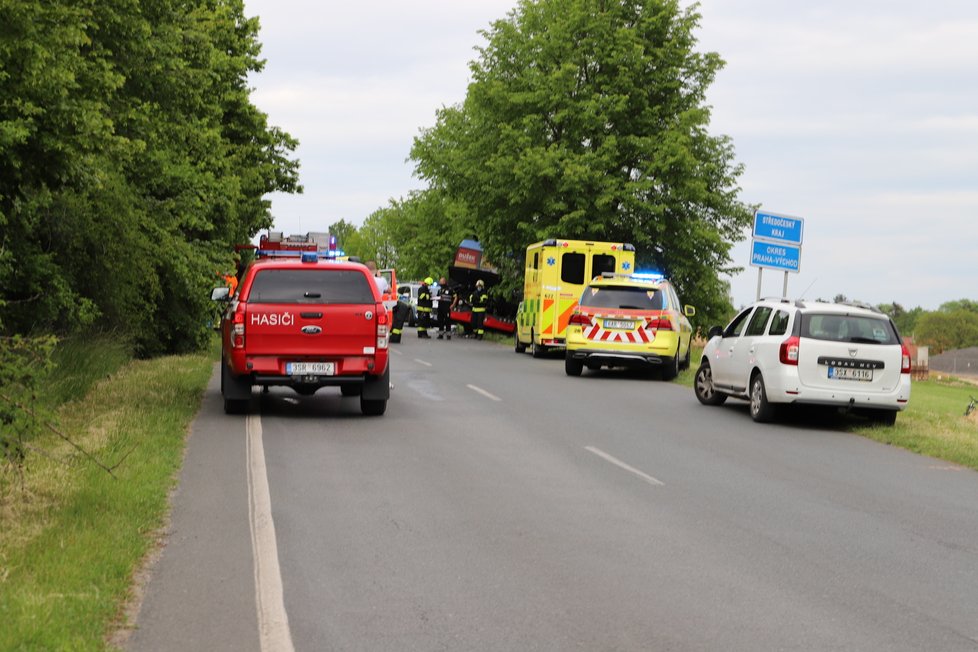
{"x":778,"y":228}
{"x":774,"y":255}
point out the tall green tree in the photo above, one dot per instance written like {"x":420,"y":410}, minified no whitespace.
{"x":587,"y":119}
{"x":131,"y":159}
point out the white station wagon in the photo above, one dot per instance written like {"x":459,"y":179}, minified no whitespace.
{"x":779,"y":352}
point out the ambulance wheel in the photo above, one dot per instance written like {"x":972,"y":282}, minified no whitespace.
{"x":519,"y":346}
{"x":350,"y":390}
{"x":573,"y":367}
{"x":537,"y":350}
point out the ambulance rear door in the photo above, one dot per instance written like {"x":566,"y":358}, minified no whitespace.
{"x":574,"y":263}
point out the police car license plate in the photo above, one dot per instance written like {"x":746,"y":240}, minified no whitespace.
{"x":310,"y":368}
{"x":844,"y":373}
{"x":619,"y":324}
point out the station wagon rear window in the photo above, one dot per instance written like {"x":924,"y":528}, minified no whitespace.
{"x":623,"y":298}
{"x":323,"y":286}
{"x":848,"y":328}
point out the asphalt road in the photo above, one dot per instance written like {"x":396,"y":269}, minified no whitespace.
{"x":501,"y":505}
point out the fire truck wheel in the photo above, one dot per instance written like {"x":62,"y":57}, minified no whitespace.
{"x":235,"y":406}
{"x":373,"y":408}
{"x":573,"y":367}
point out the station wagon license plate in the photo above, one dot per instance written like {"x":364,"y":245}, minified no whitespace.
{"x":619,"y":324}
{"x":843,"y":373}
{"x":310,"y":368}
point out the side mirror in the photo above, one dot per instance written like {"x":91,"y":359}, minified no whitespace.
{"x":715,"y":331}
{"x":689,"y":311}
{"x":222,"y":293}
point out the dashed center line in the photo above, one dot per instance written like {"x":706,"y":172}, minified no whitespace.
{"x":419,"y":361}
{"x":479,"y":390}
{"x":617,"y":462}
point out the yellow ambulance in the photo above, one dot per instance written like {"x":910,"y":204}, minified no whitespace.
{"x":555,"y":275}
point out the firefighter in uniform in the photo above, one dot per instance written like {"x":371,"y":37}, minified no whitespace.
{"x":479,"y":301}
{"x":446,"y":302}
{"x":424,"y":308}
{"x":402,"y":312}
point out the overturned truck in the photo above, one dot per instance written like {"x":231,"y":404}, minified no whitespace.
{"x":470,"y":266}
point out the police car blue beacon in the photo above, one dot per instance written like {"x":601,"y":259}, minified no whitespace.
{"x":779,"y":352}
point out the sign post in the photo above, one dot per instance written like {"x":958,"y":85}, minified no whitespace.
{"x":776,"y":245}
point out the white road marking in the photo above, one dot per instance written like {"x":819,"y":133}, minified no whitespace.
{"x":273,"y":622}
{"x":617,"y":462}
{"x":427,"y":364}
{"x":484,"y":393}
{"x":395,"y":351}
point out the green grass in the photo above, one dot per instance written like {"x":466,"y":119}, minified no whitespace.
{"x":73,"y":535}
{"x":80,"y":362}
{"x":934,"y":423}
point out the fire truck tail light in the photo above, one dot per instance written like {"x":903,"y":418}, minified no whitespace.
{"x":382,"y":329}
{"x":788,"y":353}
{"x":238,"y":329}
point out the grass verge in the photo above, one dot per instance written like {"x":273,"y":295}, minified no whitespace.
{"x":933,"y":423}
{"x":72,"y":534}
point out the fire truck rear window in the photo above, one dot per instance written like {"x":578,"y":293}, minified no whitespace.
{"x":311,"y":286}
{"x":622,"y":297}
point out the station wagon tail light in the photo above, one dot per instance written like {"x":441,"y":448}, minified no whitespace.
{"x":660,"y":323}
{"x":789,"y":351}
{"x":905,"y":361}
{"x":382,"y":328}
{"x":579,"y":319}
{"x":238,"y":328}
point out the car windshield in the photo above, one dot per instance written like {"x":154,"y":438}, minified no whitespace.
{"x":624,"y":297}
{"x":848,"y":328}
{"x":311,"y":286}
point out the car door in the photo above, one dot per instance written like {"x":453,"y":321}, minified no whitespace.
{"x":721,"y":362}
{"x":743,"y":353}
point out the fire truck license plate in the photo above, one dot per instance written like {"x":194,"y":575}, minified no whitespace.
{"x":843,"y":373}
{"x":619,"y":324}
{"x":310,"y":368}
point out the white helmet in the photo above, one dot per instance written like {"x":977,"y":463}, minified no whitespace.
{"x":480,"y":283}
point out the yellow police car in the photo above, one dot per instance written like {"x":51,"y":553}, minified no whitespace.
{"x":629,"y":321}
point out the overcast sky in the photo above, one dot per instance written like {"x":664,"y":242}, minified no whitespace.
{"x":859,"y":116}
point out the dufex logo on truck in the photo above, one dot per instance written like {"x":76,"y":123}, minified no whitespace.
{"x":305,"y":323}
